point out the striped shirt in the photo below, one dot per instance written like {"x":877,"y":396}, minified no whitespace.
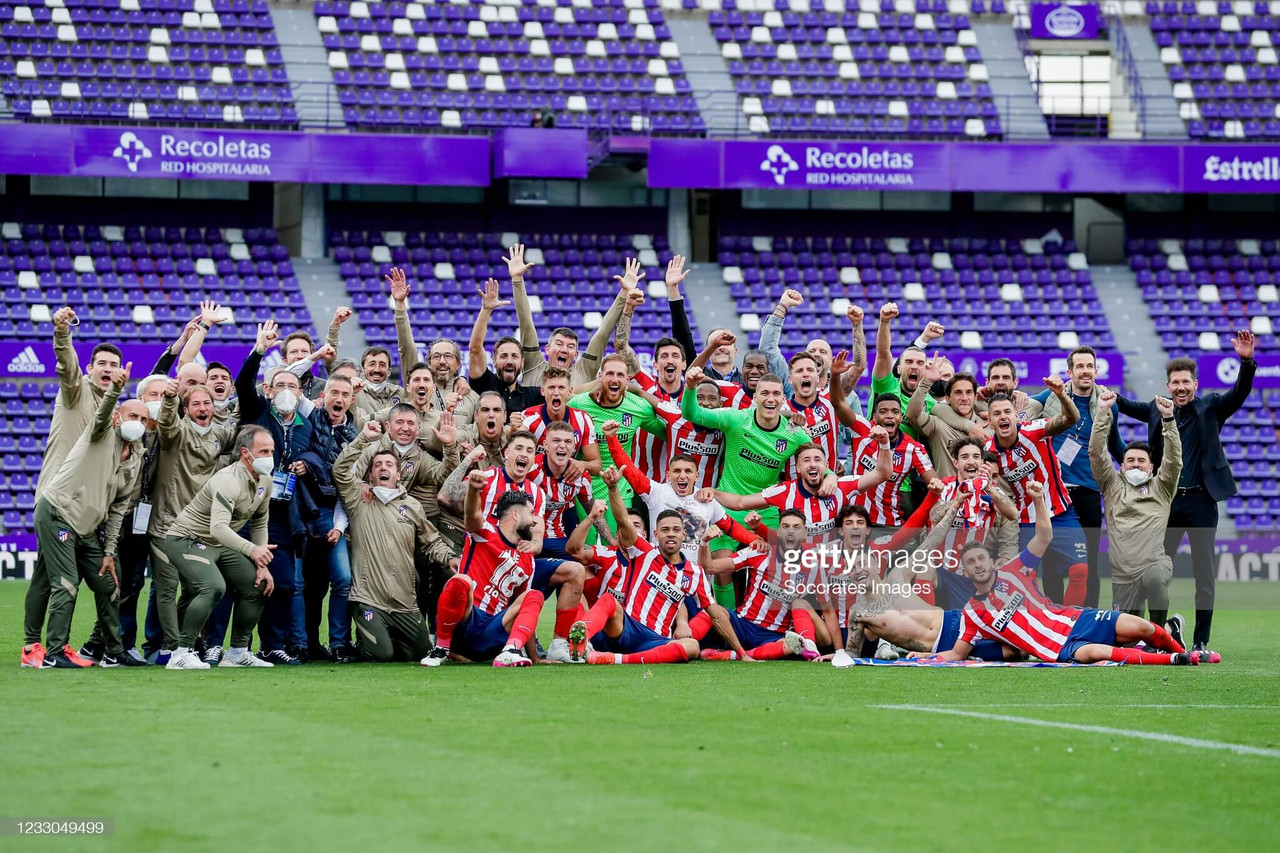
{"x":819,"y":512}
{"x":823,"y":426}
{"x":1031,"y":458}
{"x":703,"y":444}
{"x":1017,"y":614}
{"x":537,"y":418}
{"x":560,"y":495}
{"x":500,"y":571}
{"x":500,"y":482}
{"x":976,"y":517}
{"x":770,"y":590}
{"x":657,"y":588}
{"x":884,"y":502}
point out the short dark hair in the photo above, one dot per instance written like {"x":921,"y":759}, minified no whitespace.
{"x":681,"y":457}
{"x":1082,"y":350}
{"x":511,"y":498}
{"x":554,"y":372}
{"x":707,"y":380}
{"x":668,"y":341}
{"x":108,"y":348}
{"x":492,"y":394}
{"x":297,"y":336}
{"x":1176,"y":364}
{"x":801,"y":356}
{"x":964,"y":441}
{"x":770,"y":377}
{"x":1002,"y":362}
{"x":897,"y":362}
{"x":852,"y":509}
{"x":1140,"y":445}
{"x":245,"y":438}
{"x":522,"y":433}
{"x":390,"y":453}
{"x":217,"y":365}
{"x":752,"y":353}
{"x":418,"y":366}
{"x":1000,"y":398}
{"x":372,"y":351}
{"x":973,"y":545}
{"x":400,"y":409}
{"x":792,"y":512}
{"x":888,"y":397}
{"x":962,"y":377}
{"x":507,"y":339}
{"x":991,"y":456}
{"x":564,"y":332}
{"x":668,"y":513}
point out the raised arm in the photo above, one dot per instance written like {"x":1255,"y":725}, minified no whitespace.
{"x":478,"y":359}
{"x":618,"y":509}
{"x":1069,"y":415}
{"x":884,"y":342}
{"x":473,"y":513}
{"x":107,"y":408}
{"x":844,"y":412}
{"x":253,"y":404}
{"x":332,"y":338}
{"x":636,"y":477}
{"x":1099,"y":459}
{"x":210,"y":316}
{"x":1229,"y":403}
{"x":680,"y":329}
{"x":346,"y":477}
{"x":916,"y":412}
{"x":405,"y":345}
{"x":169,"y":425}
{"x":529,"y":343}
{"x":721,"y":419}
{"x":576,"y":545}
{"x":850,"y":379}
{"x":1044,"y":520}
{"x":721,"y":338}
{"x":453,"y":490}
{"x":589,"y":362}
{"x":622,"y":334}
{"x":68,"y":363}
{"x":1171,"y":461}
{"x":771,"y":336}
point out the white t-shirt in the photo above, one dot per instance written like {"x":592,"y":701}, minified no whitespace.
{"x":698,"y":516}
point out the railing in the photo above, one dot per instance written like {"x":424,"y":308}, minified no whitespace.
{"x":1123,"y":53}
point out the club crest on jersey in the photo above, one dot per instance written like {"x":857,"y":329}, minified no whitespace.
{"x":897,"y":459}
{"x":200,"y":546}
{"x":262,"y":490}
{"x":780,"y":445}
{"x":64,"y":535}
{"x":368,"y":615}
{"x":404,"y":510}
{"x":627,"y":418}
{"x":408,"y":467}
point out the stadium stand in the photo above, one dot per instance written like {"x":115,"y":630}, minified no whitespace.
{"x":164,"y":61}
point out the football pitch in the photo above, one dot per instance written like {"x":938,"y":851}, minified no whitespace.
{"x":730,"y":756}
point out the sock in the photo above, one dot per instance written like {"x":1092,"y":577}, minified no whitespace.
{"x":1160,"y":639}
{"x":700,"y":625}
{"x":1077,"y":585}
{"x":565,"y":619}
{"x":802,"y":622}
{"x":1204,"y":623}
{"x":668,"y":653}
{"x":599,"y":614}
{"x":238,"y":651}
{"x":450,"y":609}
{"x":1144,"y":658}
{"x":777,"y":650}
{"x":526,"y":619}
{"x":723,"y":593}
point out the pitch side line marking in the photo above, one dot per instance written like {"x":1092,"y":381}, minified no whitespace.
{"x":1084,"y":705}
{"x":1238,"y":749}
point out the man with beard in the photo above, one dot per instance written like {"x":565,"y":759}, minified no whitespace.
{"x":885,"y":502}
{"x":377,"y":391}
{"x":563,"y":484}
{"x":818,"y":348}
{"x":488,"y":611}
{"x":389,"y":536}
{"x":1002,"y":378}
{"x":704,"y":446}
{"x":504,"y":376}
{"x":486,"y":435}
{"x":610,"y":401}
{"x":984,"y":512}
{"x":816,"y":408}
{"x":723,"y":357}
{"x":669,"y":365}
{"x":902,"y":376}
{"x":1206,"y":473}
{"x":754,"y":365}
{"x":555,"y":409}
{"x":562,"y":347}
{"x":961,"y":392}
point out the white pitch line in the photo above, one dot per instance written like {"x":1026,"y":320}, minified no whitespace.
{"x":1086,"y":705}
{"x":1239,"y":749}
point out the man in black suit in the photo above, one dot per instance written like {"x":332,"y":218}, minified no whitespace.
{"x":1206,"y":474}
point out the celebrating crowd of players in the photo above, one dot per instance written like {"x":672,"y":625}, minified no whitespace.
{"x":709,"y":509}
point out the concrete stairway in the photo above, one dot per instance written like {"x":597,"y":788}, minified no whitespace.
{"x":307,"y":62}
{"x":1162,"y":119}
{"x":1020,"y":114}
{"x":712,"y":86}
{"x":325,"y":290}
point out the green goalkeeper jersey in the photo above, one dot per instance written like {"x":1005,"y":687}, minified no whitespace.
{"x":632,"y":414}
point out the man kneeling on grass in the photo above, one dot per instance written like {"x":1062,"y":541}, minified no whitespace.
{"x":1008,"y":606}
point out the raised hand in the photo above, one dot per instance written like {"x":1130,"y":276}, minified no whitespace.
{"x":751,"y":519}
{"x":268,"y":335}
{"x":474,"y":454}
{"x":477,"y":480}
{"x":1164,"y":405}
{"x":399,"y":286}
{"x":573,"y":470}
{"x":515,"y":420}
{"x":516,"y":267}
{"x":1243,"y":343}
{"x":722,"y":338}
{"x":1035,"y":490}
{"x":171,"y":388}
{"x":705,"y":495}
{"x":446,"y":431}
{"x":675,"y":271}
{"x":372,"y":430}
{"x":888,"y":312}
{"x":611,"y":476}
{"x":932,"y":332}
{"x":489,"y":300}
{"x":211,"y":313}
{"x":791,"y":298}
{"x":933,"y":368}
{"x":598,"y":509}
{"x":632,"y":274}
{"x":1053,"y":383}
{"x":840,"y":364}
{"x":341,"y":315}
{"x":693,"y":376}
{"x":635,"y":298}
{"x":936,"y":486}
{"x":325,"y":352}
{"x":122,"y":375}
{"x":854,"y":314}
{"x":609,"y":429}
{"x":1106,"y":398}
{"x":63,"y":318}
{"x":879,"y":434}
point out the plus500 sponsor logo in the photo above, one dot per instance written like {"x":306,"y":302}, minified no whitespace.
{"x":1235,"y":169}
{"x":221,"y":156}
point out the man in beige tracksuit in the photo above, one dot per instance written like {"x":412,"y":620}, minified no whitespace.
{"x":387,"y":531}
{"x":190,"y":449}
{"x":202,"y":543}
{"x":92,"y":489}
{"x":1136,"y":501}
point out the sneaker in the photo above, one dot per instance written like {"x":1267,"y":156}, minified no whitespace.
{"x":716,"y":654}
{"x":1184,"y":659}
{"x":185,"y":660}
{"x":93,"y":651}
{"x":137,"y":656}
{"x":886,"y":651}
{"x":436,"y":657}
{"x":601,"y":657}
{"x":1200,"y":656}
{"x":279,"y":657}
{"x":561,"y":652}
{"x":343,"y":654}
{"x":578,"y":646}
{"x":1175,"y":626}
{"x":59,"y":661}
{"x":512,"y":656}
{"x":127,"y":659}
{"x":75,"y":658}
{"x":212,"y":655}
{"x":160,"y":657}
{"x":319,"y":654}
{"x":33,"y":655}
{"x":302,"y":655}
{"x":798,"y":645}
{"x":842,"y":659}
{"x":241,"y":657}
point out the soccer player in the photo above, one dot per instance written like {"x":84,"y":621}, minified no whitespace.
{"x":676,"y":494}
{"x":1007,"y":606}
{"x":704,"y":446}
{"x":1137,"y":501}
{"x":900,"y":377}
{"x":810,"y":402}
{"x":387,"y":533}
{"x":1026,"y":455}
{"x":488,"y":611}
{"x":562,"y":483}
{"x":884,"y":501}
{"x":555,"y":408}
{"x":210,"y":556}
{"x":983,"y":509}
{"x":807,"y":492}
{"x":774,"y":620}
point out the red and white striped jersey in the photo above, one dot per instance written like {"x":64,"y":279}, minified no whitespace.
{"x":650,"y":452}
{"x":704,"y":445}
{"x":823,"y":427}
{"x":500,"y":571}
{"x":1032,"y":458}
{"x":656,"y":588}
{"x":838,"y":591}
{"x":536,"y":419}
{"x":976,"y":516}
{"x":560,"y":494}
{"x":770,"y":589}
{"x":1017,"y":614}
{"x":884,"y":502}
{"x":819,"y":512}
{"x":610,"y":568}
{"x":733,"y":395}
{"x":499,"y":482}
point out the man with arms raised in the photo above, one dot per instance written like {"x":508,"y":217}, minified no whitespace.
{"x":555,"y":409}
{"x":903,"y":376}
{"x":504,"y":376}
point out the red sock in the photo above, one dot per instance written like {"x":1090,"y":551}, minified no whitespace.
{"x":777,"y":650}
{"x":452,"y":606}
{"x":600,"y":613}
{"x":668,"y":653}
{"x":1140,"y":657}
{"x":700,"y":625}
{"x":565,"y":619}
{"x":591,"y":589}
{"x":526,"y":619}
{"x":802,"y":622}
{"x":1162,"y":640}
{"x":1077,"y":585}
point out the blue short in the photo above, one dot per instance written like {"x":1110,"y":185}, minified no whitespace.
{"x":480,"y":636}
{"x":1092,"y":626}
{"x":555,"y":548}
{"x":949,"y":633}
{"x":952,"y":590}
{"x":1068,"y":543}
{"x":543,"y":569}
{"x":749,"y":633}
{"x":634,"y":638}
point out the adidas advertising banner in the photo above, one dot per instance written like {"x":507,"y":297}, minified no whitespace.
{"x":1220,"y":371}
{"x":35,"y":360}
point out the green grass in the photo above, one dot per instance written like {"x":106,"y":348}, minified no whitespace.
{"x":771,"y":756}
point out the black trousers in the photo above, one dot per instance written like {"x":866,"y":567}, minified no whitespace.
{"x":1088,"y":504}
{"x":1195,"y":514}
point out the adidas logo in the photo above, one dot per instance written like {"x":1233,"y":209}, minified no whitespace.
{"x":26,"y":362}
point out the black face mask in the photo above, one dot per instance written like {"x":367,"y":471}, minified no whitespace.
{"x":938,"y":388}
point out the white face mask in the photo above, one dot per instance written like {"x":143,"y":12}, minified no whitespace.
{"x":1136,"y":476}
{"x":401,"y":449}
{"x":285,"y":401}
{"x":264,"y":465}
{"x":376,"y":387}
{"x":153,"y":409}
{"x":385,"y":494}
{"x":132,"y":430}
{"x":201,"y":430}
{"x":222,"y":405}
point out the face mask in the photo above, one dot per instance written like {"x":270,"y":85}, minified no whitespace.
{"x":286,"y":402}
{"x":201,"y":430}
{"x":384,"y":493}
{"x":1136,"y":476}
{"x":401,"y":449}
{"x":222,"y":405}
{"x":132,"y":430}
{"x":153,"y":409}
{"x":264,"y":465}
{"x":376,"y":387}
{"x":938,"y":388}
